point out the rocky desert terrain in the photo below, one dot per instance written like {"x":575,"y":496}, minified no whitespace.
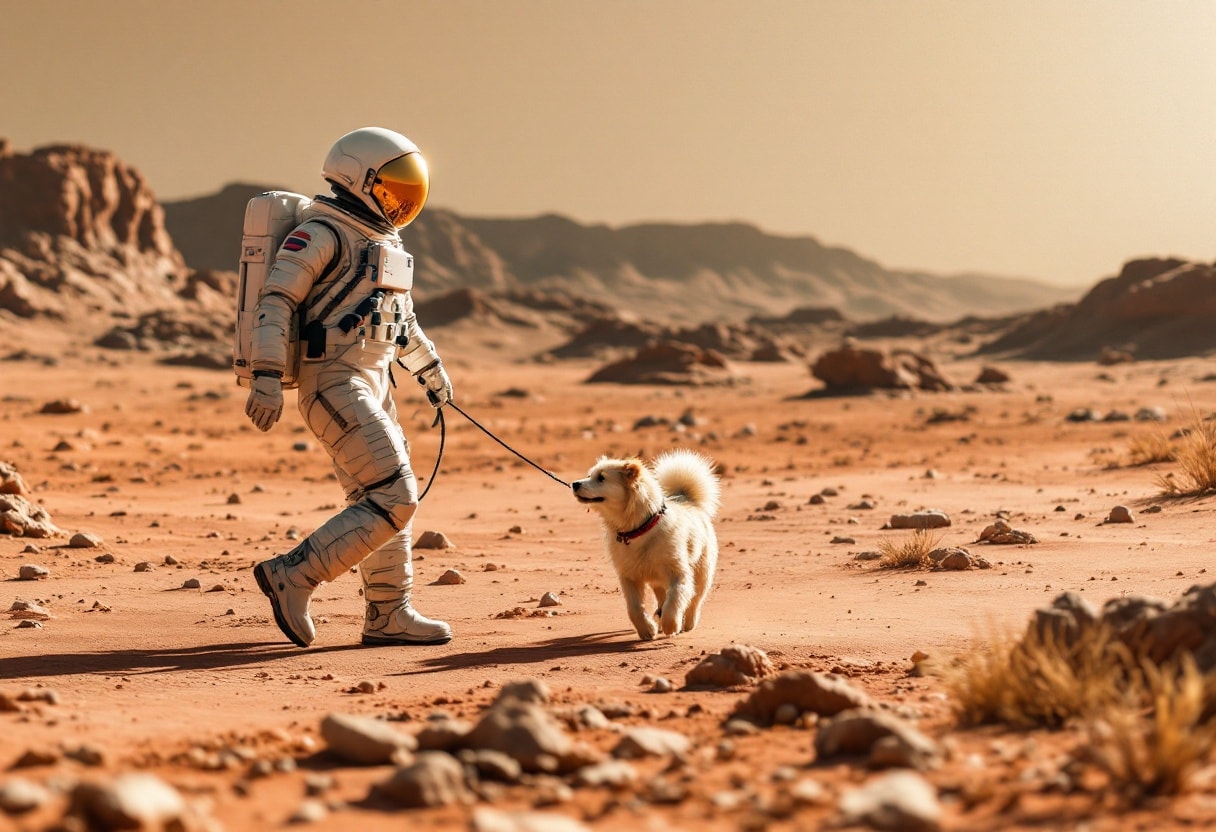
{"x":143,"y":683}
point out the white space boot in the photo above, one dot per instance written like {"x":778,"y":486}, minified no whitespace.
{"x":338,"y":544}
{"x":397,"y":622}
{"x":289,"y":588}
{"x":388,"y":578}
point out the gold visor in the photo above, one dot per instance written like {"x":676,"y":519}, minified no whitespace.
{"x":401,"y":187}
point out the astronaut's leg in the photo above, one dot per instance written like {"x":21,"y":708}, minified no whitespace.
{"x":343,"y":406}
{"x":388,"y":582}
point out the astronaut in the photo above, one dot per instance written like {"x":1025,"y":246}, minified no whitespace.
{"x":345,"y":267}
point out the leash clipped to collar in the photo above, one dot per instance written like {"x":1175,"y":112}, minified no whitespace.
{"x":634,"y":534}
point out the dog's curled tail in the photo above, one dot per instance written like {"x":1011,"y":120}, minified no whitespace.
{"x":689,"y":476}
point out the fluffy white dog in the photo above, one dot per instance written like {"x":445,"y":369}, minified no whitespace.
{"x":658,"y":527}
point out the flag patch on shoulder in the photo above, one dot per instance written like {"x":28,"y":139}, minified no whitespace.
{"x":297,"y":241}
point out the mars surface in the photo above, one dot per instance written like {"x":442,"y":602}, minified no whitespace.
{"x":155,"y":653}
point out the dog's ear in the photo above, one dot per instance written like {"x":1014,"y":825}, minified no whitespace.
{"x":631,"y":470}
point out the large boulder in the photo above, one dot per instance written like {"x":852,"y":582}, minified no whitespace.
{"x":850,"y":368}
{"x":668,"y":362}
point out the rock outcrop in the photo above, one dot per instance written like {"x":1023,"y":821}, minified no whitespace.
{"x":81,"y":233}
{"x":1155,"y":308}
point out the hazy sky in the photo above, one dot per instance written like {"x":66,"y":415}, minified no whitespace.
{"x":1045,"y":138}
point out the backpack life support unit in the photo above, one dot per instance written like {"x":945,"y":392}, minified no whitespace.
{"x":269,"y":218}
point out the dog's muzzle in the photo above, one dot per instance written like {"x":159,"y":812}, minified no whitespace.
{"x":574,"y":486}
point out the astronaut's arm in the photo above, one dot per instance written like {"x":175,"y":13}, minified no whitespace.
{"x":298,"y":264}
{"x":418,"y":353}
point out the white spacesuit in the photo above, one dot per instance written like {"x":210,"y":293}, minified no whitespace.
{"x":345,"y":267}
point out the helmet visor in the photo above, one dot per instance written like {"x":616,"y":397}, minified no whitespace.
{"x":400,"y":188}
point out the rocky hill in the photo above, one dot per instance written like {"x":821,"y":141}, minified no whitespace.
{"x":685,"y":273}
{"x":83,"y":240}
{"x":1155,"y":308}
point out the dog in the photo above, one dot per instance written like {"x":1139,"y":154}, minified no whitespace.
{"x":658,"y":529}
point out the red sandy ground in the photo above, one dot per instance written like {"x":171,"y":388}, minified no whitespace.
{"x":163,"y":669}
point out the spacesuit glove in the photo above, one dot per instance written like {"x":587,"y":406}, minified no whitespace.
{"x":438,"y":385}
{"x":265,"y":403}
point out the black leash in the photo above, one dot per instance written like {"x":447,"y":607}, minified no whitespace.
{"x":442,"y":435}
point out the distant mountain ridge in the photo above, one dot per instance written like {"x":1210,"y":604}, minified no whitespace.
{"x":691,"y":273}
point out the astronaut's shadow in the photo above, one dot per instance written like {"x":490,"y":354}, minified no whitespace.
{"x":590,"y":644}
{"x":150,"y":661}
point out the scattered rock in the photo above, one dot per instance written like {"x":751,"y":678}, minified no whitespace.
{"x":35,"y":757}
{"x":18,"y":796}
{"x":144,"y":566}
{"x":1120,"y":514}
{"x":957,"y":558}
{"x":32,"y":572}
{"x":493,"y":820}
{"x":61,"y":406}
{"x":443,"y":734}
{"x":130,"y":801}
{"x":432,"y":779}
{"x":309,"y":811}
{"x":11,"y":481}
{"x":84,"y":540}
{"x":527,"y":733}
{"x":192,"y":583}
{"x":450,"y":578}
{"x":1001,"y":532}
{"x":433,"y":540}
{"x":807,"y":690}
{"x":992,"y":375}
{"x":365,"y":741}
{"x":20,"y":517}
{"x":929,"y":519}
{"x":549,"y":599}
{"x":613,"y":774}
{"x":887,"y":740}
{"x":29,"y":610}
{"x":736,"y":665}
{"x":650,"y":742}
{"x":903,"y":801}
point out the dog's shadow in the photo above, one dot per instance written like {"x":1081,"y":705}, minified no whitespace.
{"x":590,"y":644}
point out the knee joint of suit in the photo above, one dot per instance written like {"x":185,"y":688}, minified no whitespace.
{"x":396,"y":501}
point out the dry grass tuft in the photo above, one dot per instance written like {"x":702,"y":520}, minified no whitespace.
{"x":1196,"y":458}
{"x":1153,"y":753}
{"x":1149,"y":448}
{"x":1038,"y":681}
{"x":910,"y":553}
{"x":1149,"y":726}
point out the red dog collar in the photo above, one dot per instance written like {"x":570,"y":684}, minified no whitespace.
{"x":625,"y":537}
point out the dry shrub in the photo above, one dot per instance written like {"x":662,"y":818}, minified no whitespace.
{"x":910,"y":553}
{"x":1039,"y":681}
{"x":1196,"y":457}
{"x":1149,"y":726}
{"x":1149,"y":448}
{"x":1155,"y":751}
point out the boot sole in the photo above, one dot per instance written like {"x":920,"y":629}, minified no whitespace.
{"x":268,"y":590}
{"x":388,"y":641}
